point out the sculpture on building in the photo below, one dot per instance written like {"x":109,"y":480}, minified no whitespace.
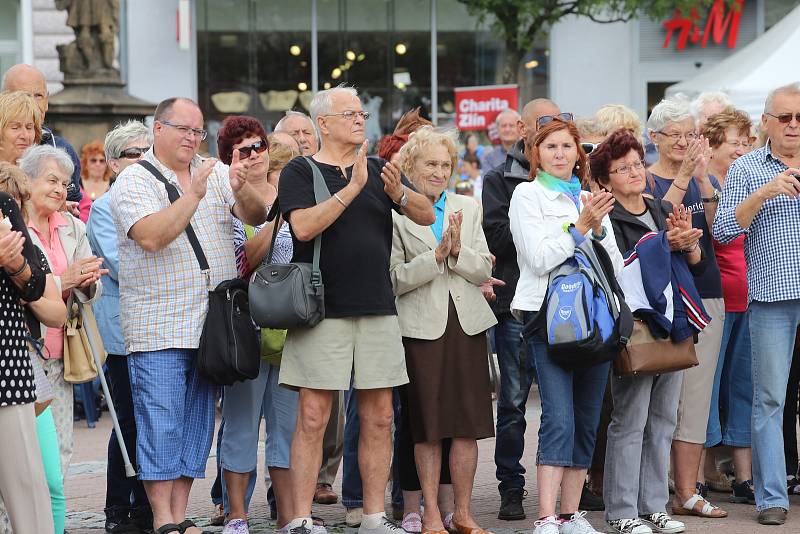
{"x":91,"y":55}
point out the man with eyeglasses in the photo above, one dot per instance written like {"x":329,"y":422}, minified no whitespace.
{"x":126,"y":500}
{"x":164,"y":297}
{"x":760,"y":200}
{"x":30,"y":80}
{"x":358,"y":343}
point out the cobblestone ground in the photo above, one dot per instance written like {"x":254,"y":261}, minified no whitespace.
{"x":85,"y":489}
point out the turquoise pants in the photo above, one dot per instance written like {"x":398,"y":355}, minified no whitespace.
{"x":51,"y":458}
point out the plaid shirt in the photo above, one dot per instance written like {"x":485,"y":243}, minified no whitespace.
{"x":163,"y":295}
{"x":772,"y":242}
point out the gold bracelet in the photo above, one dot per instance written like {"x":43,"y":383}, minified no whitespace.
{"x":336,"y":196}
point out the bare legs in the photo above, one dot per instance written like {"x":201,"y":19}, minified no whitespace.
{"x":569,"y":480}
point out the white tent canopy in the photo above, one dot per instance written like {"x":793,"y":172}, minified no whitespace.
{"x":750,"y":74}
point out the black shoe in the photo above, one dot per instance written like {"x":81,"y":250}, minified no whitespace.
{"x":772,"y":516}
{"x":142,"y":517}
{"x":591,"y":502}
{"x":273,"y":511}
{"x":702,"y":490}
{"x":793,"y":485}
{"x":742,"y":492}
{"x":120,"y":524}
{"x":511,"y":504}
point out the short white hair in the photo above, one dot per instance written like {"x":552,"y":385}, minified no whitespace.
{"x":124,"y":134}
{"x":507,"y":111}
{"x":788,"y":89}
{"x":322,"y":103}
{"x":291,"y":113}
{"x":709,"y":97}
{"x":36,"y":157}
{"x":671,"y":109}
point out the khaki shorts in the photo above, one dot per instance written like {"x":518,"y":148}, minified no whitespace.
{"x":369,"y":348}
{"x":698,"y":382}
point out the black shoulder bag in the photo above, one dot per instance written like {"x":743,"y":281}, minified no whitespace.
{"x":290,"y":295}
{"x":230,"y":349}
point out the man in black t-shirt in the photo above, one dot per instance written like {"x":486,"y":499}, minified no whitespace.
{"x":360,"y":336}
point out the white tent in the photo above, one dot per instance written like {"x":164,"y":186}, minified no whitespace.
{"x":748,"y":75}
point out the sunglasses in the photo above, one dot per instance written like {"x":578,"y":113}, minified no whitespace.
{"x":134,"y":152}
{"x":97,"y":160}
{"x":589,"y":147}
{"x":258,"y":147}
{"x":545,"y":119}
{"x":785,"y":118}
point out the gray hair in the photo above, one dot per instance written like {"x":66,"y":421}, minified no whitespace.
{"x":507,"y":111}
{"x":322,"y":102}
{"x":36,"y":157}
{"x":709,"y":97}
{"x":671,"y":109}
{"x":788,"y":89}
{"x":291,"y":113}
{"x":124,"y":134}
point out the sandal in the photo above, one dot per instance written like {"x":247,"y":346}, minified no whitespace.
{"x":169,"y":527}
{"x":461,"y":529}
{"x":187,"y":524}
{"x":707,"y":510}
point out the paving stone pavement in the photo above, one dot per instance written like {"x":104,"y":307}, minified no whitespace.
{"x":85,"y":489}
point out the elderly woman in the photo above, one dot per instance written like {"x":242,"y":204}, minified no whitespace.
{"x":126,"y":500}
{"x":571,"y":400}
{"x":245,"y":402}
{"x":95,"y":176}
{"x":728,"y":134}
{"x":443,"y":318}
{"x":20,"y":125}
{"x":77,"y":271}
{"x":645,"y":406}
{"x":680,"y":176}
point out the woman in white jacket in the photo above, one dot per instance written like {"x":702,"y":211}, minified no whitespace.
{"x":540,"y":213}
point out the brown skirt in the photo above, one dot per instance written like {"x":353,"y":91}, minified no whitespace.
{"x":450,"y":393}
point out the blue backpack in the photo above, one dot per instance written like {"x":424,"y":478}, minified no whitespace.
{"x":584,"y":319}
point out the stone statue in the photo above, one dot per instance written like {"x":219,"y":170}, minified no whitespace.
{"x":91,"y":55}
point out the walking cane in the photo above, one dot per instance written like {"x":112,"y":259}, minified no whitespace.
{"x":129,"y":470}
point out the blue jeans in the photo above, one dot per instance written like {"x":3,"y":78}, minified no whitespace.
{"x":773,"y":326}
{"x":732,"y":395}
{"x":352,"y":495}
{"x":516,"y":377}
{"x":571,"y":403}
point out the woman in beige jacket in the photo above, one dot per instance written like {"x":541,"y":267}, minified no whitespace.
{"x":436,"y":271}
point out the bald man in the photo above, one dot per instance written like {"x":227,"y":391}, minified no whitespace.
{"x":30,"y":80}
{"x":508,"y":132}
{"x":516,"y":365}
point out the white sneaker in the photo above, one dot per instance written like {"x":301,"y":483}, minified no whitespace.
{"x":352,"y":517}
{"x":578,"y":525}
{"x":236,"y":526}
{"x":548,"y":525}
{"x":629,"y":526}
{"x":318,"y":529}
{"x":661,"y":522}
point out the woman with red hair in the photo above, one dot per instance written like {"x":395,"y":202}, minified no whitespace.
{"x":539,"y":212}
{"x":95,"y":176}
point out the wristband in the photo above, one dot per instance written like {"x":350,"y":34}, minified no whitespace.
{"x":679,"y":187}
{"x":690,"y":250}
{"x":21,"y":269}
{"x":336,"y":196}
{"x":600,"y":237}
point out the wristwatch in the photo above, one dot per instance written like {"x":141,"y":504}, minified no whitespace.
{"x":403,"y":199}
{"x":713,"y":198}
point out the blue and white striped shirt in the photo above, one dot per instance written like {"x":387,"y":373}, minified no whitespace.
{"x":772,"y":242}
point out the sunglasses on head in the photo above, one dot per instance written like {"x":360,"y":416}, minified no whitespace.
{"x":258,"y":147}
{"x":545,"y":119}
{"x":786,"y":118}
{"x":134,"y":152}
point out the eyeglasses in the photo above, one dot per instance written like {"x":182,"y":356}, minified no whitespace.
{"x":350,"y":115}
{"x":186,"y":130}
{"x":626,"y":169}
{"x":97,"y":160}
{"x":785,"y":118}
{"x":544,"y":119}
{"x":134,"y":152}
{"x":589,"y":147}
{"x":676,"y":136}
{"x":739,"y":144}
{"x":258,"y":147}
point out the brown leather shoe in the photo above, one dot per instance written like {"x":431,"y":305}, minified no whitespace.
{"x":325,"y":495}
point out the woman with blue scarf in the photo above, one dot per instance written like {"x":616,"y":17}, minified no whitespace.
{"x":540,"y":213}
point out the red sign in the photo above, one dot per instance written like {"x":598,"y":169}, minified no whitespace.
{"x":717,"y":25}
{"x":477,"y":107}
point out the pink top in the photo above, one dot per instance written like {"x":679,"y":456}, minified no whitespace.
{"x":733,"y":272}
{"x":54,"y":338}
{"x":85,"y":206}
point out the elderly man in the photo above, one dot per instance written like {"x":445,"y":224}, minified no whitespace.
{"x":760,"y":201}
{"x":126,"y":500}
{"x":707,"y":104}
{"x":508,"y":131}
{"x":30,"y":80}
{"x":360,"y":336}
{"x":301,"y":127}
{"x":516,"y":370}
{"x":164,"y":298}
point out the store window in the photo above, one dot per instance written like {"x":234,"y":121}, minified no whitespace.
{"x":9,"y":34}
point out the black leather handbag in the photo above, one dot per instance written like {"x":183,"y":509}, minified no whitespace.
{"x":290,"y":295}
{"x":230,"y":348}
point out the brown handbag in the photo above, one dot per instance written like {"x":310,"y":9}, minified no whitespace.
{"x":79,"y":361}
{"x":647,"y":355}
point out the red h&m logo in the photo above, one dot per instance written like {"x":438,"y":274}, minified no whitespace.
{"x":687,"y":29}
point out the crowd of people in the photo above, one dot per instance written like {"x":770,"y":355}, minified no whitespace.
{"x":420,"y":281}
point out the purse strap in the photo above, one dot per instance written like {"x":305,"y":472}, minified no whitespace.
{"x":173,"y":195}
{"x":321,"y":194}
